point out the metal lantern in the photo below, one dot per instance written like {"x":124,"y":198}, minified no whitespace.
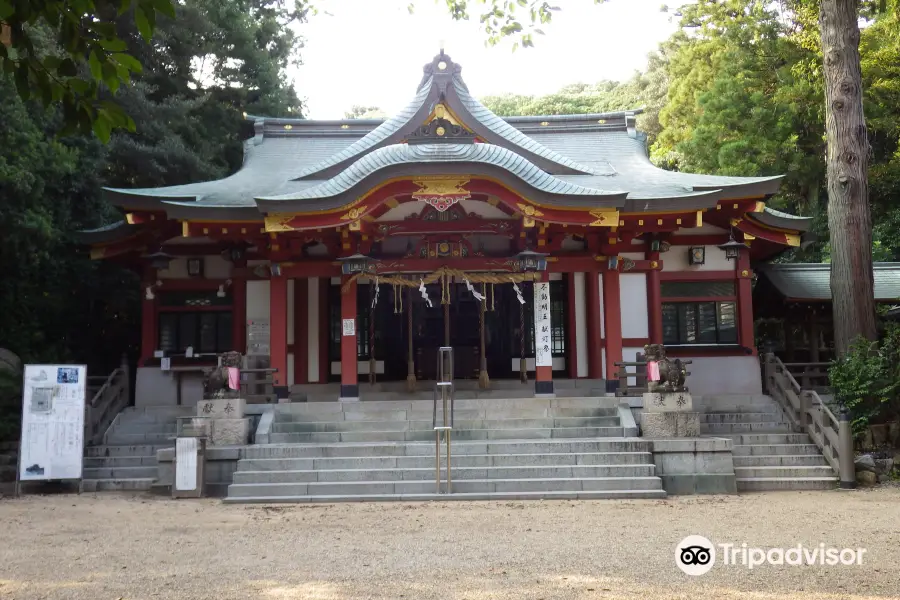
{"x":696,"y":255}
{"x":530,"y":260}
{"x":732,"y":248}
{"x":355,"y":264}
{"x":160,"y":260}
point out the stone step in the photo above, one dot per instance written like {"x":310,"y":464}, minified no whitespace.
{"x":458,"y":413}
{"x":143,"y":472}
{"x":747,"y":439}
{"x":458,"y":435}
{"x":359,"y":488}
{"x":733,"y":428}
{"x":741,"y":417}
{"x":426,"y":395}
{"x":785,"y":460}
{"x":774,"y":449}
{"x":117,"y":485}
{"x":119,"y":461}
{"x":134,"y":439}
{"x":425,"y":425}
{"x":768,"y":471}
{"x":125,"y":450}
{"x":496,"y":496}
{"x":465,"y":460}
{"x":763,"y":484}
{"x":459,"y":473}
{"x":349,"y":450}
{"x":425,"y":406}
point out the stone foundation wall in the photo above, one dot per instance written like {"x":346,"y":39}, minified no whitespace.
{"x":695,"y":466}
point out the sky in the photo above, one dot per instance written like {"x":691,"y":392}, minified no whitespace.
{"x":371,"y":52}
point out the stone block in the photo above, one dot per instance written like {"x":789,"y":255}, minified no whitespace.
{"x":222,"y":408}
{"x":229,"y":432}
{"x":658,"y":402}
{"x":670,"y":424}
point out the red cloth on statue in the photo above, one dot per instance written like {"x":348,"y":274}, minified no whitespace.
{"x":234,"y":378}
{"x":653,"y":370}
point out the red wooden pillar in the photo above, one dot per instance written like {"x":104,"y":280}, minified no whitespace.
{"x":654,"y":301}
{"x":572,"y":337}
{"x":149,"y":317}
{"x":278,"y":317}
{"x":593,"y":329}
{"x":324,"y":329}
{"x":745,"y":301}
{"x":543,"y":337}
{"x":301,"y":330}
{"x":239,"y":314}
{"x":349,"y":351}
{"x":612,"y":313}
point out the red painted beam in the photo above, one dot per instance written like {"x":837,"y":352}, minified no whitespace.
{"x":654,"y":302}
{"x":593,"y":329}
{"x":612,"y":313}
{"x":745,"y":301}
{"x":278,"y":330}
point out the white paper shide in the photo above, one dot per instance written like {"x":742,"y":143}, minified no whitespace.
{"x":53,"y":398}
{"x":543,"y":344}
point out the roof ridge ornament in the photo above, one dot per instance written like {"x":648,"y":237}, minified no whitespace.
{"x":441,"y":70}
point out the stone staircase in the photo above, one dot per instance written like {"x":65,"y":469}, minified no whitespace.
{"x":502,"y":449}
{"x":127,"y":459}
{"x":767,"y":454}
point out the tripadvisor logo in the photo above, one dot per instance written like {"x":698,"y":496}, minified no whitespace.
{"x":696,"y":555}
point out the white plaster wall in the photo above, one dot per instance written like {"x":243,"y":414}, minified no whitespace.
{"x":290,"y":368}
{"x":705,"y":230}
{"x":724,"y":375}
{"x":632,"y":255}
{"x":313,"y":340}
{"x":581,"y":341}
{"x":257,"y":299}
{"x":633,"y":298}
{"x":676,"y":259}
{"x":556,"y":276}
{"x":630,"y":354}
{"x":484,"y":209}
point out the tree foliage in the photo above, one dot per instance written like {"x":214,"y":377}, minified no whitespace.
{"x":216,"y":60}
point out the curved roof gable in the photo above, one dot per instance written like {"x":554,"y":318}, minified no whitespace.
{"x":442,"y":82}
{"x":409,"y":154}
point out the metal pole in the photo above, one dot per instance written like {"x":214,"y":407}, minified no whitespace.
{"x":845,"y":451}
{"x":437,"y":461}
{"x":449,"y":477}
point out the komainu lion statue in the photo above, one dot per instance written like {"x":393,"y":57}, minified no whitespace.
{"x":215,"y":380}
{"x":672,"y":373}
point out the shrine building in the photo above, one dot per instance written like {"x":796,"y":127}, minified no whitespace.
{"x":349,"y":251}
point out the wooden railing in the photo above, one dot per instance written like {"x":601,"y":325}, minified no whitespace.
{"x":625,"y":377}
{"x":107,"y":402}
{"x":807,"y":413}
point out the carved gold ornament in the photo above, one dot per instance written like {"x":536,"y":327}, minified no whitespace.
{"x":529,"y":210}
{"x":353,"y":214}
{"x":279,"y":222}
{"x":441,"y":193}
{"x":604,"y":217}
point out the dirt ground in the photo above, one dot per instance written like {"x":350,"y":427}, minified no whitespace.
{"x":133,"y":547}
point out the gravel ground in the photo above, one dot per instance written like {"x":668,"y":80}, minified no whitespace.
{"x":135,"y":547}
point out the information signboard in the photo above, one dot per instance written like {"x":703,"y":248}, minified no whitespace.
{"x":52,"y":444}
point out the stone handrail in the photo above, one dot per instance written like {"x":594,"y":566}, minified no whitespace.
{"x":808,"y":414}
{"x":106,"y":403}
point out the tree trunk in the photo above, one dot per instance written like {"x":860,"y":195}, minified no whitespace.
{"x":849,"y":219}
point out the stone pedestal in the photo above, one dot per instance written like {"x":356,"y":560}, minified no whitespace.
{"x":226,"y":425}
{"x":670,"y":424}
{"x":669,"y":414}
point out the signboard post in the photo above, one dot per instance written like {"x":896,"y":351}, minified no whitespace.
{"x":52,"y":441}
